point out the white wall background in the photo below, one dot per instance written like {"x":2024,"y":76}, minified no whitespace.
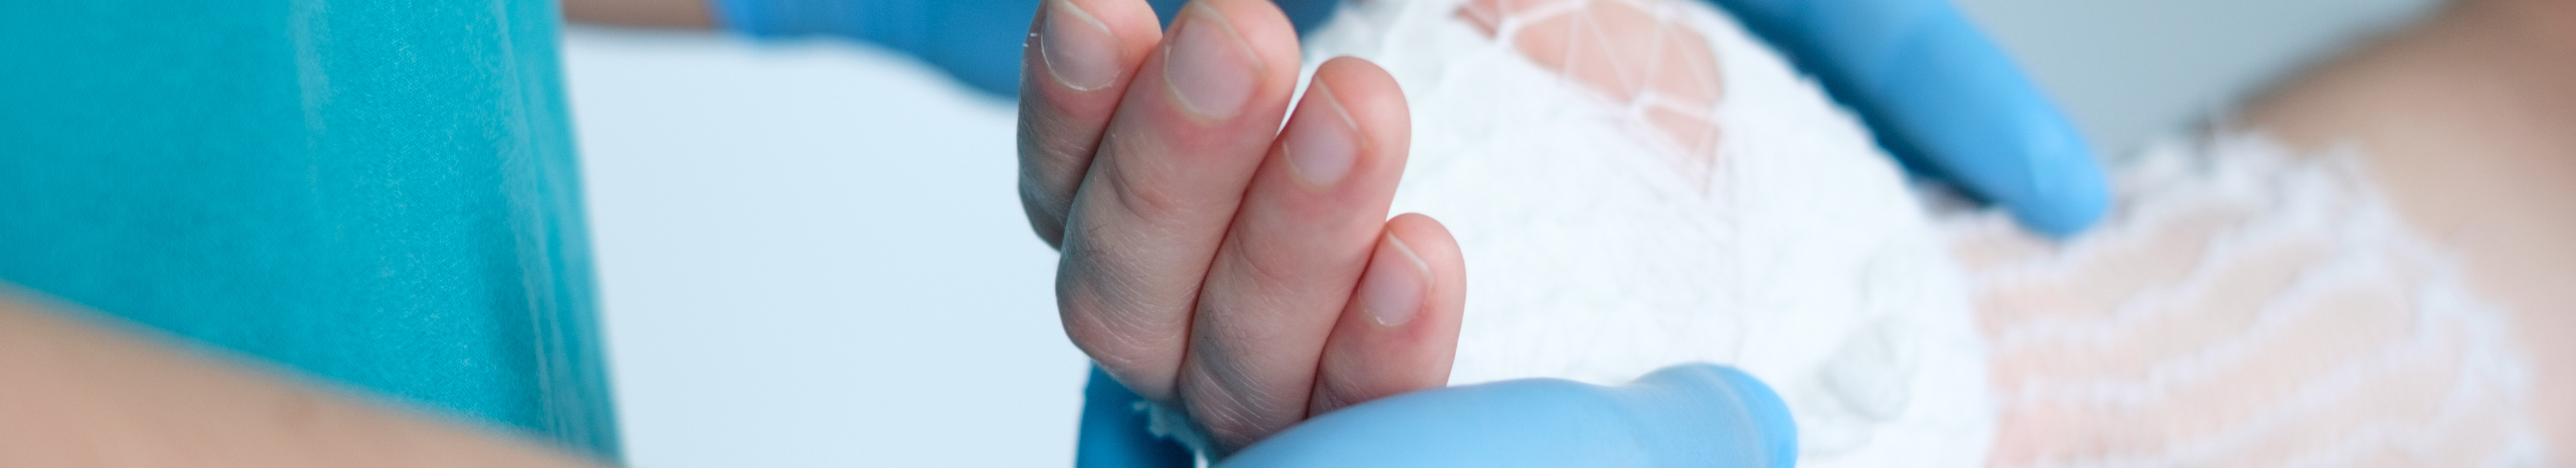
{"x":811,"y":253}
{"x":2130,"y":70}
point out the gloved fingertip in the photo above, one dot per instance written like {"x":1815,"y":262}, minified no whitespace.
{"x":1684,"y":415}
{"x":2068,"y":212}
{"x":1945,"y":99}
{"x":1707,"y":404}
{"x":2064,"y":190}
{"x":1770,"y":416}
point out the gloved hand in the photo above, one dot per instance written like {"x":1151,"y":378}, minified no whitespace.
{"x":1937,"y":93}
{"x":1687,"y":415}
{"x":1944,"y":99}
{"x":1941,"y":97}
{"x":1219,"y":264}
{"x":976,"y":41}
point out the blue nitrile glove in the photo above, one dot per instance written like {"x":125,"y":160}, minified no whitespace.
{"x":978,"y":41}
{"x":1697,"y":415}
{"x":1113,"y":430}
{"x":1939,"y":95}
{"x":1944,"y":99}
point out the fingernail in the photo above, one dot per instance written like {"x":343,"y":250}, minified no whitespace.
{"x":1391,"y":292}
{"x":1078,"y":49}
{"x":1320,"y":144}
{"x":1207,"y":65}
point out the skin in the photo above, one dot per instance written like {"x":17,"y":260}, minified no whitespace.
{"x":2468,"y":123}
{"x":1205,"y":266}
{"x":2463,"y":117}
{"x":1207,"y":272}
{"x":75,"y":393}
{"x":1624,"y":52}
{"x":683,"y":14}
{"x":1201,"y":268}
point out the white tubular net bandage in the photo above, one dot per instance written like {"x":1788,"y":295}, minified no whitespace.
{"x":1638,"y":183}
{"x":2243,"y":306}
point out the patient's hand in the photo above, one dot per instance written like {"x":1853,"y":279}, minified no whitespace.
{"x":1212,"y":261}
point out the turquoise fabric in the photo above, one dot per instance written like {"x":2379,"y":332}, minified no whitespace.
{"x":377,"y":193}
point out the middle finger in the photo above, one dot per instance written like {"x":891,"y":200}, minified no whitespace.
{"x":1306,"y":230}
{"x":1171,"y":169}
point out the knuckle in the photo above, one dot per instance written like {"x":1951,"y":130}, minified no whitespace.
{"x":1148,"y":201}
{"x":1046,"y":215}
{"x":1233,"y":410}
{"x":1116,"y":320}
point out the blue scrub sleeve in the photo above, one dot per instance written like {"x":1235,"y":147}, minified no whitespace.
{"x":1944,"y":99}
{"x":976,"y":41}
{"x":380,"y":196}
{"x":1697,"y":415}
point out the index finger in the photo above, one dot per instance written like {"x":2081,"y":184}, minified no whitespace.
{"x":1081,"y":55}
{"x":1160,"y":194}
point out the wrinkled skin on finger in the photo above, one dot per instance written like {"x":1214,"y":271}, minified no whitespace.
{"x":1211,"y":257}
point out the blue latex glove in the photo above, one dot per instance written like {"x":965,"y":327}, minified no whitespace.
{"x":1696,"y":415}
{"x":1939,"y":95}
{"x":1113,"y":430}
{"x":977,"y":41}
{"x":1944,"y":99}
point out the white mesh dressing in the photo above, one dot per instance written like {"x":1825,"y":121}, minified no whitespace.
{"x":1611,"y":228}
{"x":1622,"y":209}
{"x":2243,"y":308}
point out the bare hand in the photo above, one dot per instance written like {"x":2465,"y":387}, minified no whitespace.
{"x":1213,"y":262}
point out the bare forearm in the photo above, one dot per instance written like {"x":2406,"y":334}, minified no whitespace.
{"x":688,"y":14}
{"x":2465,"y":122}
{"x":74,"y":393}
